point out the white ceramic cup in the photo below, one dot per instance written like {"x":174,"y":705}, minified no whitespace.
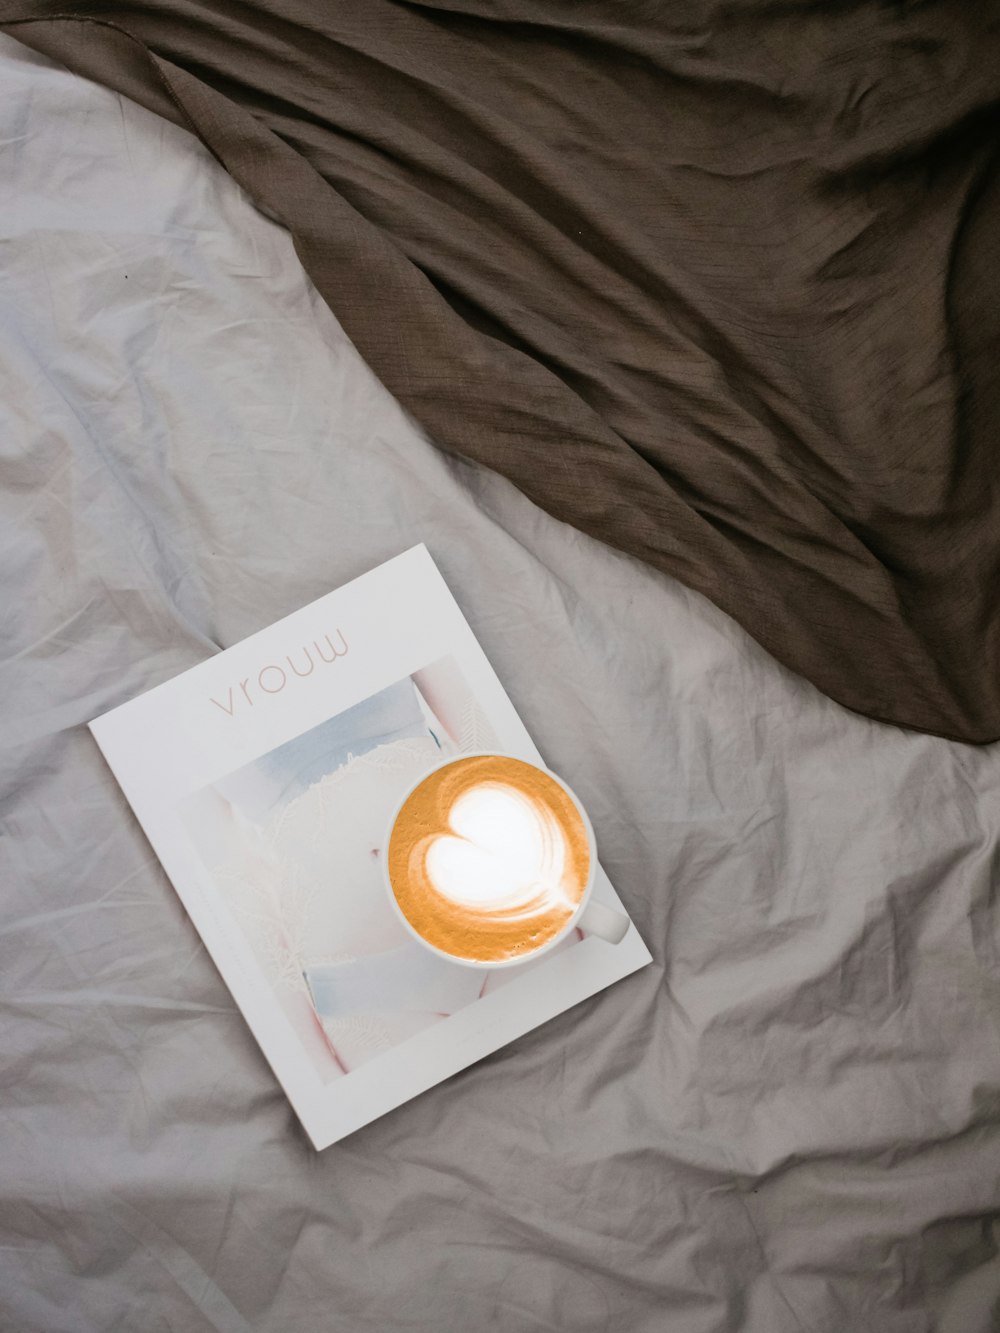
{"x":589,"y":916}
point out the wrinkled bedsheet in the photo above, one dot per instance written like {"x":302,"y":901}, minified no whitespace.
{"x":791,"y":1121}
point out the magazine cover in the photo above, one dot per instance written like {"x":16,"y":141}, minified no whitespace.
{"x":266,"y":779}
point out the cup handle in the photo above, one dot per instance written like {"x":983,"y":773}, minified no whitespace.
{"x":604,"y":922}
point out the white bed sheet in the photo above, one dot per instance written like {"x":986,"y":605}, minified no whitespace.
{"x":791,"y":1122}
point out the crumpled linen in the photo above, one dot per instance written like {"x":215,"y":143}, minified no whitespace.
{"x":790,"y":1121}
{"x":716,"y":284}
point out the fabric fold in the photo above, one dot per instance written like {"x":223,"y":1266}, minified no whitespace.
{"x":712,"y":292}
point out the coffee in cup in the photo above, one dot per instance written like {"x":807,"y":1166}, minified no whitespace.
{"x":490,"y":859}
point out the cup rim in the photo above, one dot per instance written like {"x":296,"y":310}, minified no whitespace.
{"x":480,"y":964}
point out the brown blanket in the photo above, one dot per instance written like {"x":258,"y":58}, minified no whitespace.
{"x":720,"y":285}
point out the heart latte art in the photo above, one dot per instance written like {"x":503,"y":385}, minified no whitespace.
{"x":488,"y":858}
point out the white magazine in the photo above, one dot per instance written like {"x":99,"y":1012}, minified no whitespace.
{"x":264,"y":779}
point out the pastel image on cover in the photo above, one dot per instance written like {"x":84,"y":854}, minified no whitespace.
{"x":294,"y":843}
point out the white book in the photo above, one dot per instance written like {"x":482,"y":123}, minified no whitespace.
{"x":265,"y":778}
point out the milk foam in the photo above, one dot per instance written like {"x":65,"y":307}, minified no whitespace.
{"x":489,"y":858}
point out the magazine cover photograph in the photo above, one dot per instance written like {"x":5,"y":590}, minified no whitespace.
{"x":294,"y":844}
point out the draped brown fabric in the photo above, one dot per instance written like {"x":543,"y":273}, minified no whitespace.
{"x":718,"y":284}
